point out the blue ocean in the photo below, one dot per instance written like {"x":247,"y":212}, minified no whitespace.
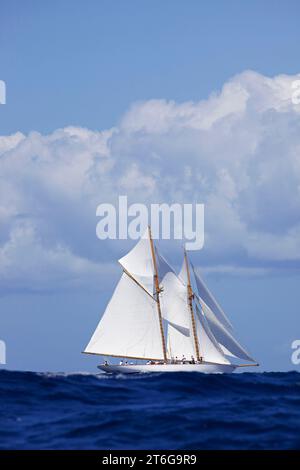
{"x":164,"y":411}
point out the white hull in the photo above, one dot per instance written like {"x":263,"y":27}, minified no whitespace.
{"x":144,"y":368}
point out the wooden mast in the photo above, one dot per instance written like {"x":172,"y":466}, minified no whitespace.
{"x":157,"y":290}
{"x":190,"y":301}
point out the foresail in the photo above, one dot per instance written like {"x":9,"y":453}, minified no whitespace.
{"x":129,"y":326}
{"x":209,"y":348}
{"x":139,"y":263}
{"x":209,"y":299}
{"x":228,"y":343}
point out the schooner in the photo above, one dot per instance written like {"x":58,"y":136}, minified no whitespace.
{"x":160,"y":321}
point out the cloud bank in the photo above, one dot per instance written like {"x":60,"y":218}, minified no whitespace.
{"x":238,"y":152}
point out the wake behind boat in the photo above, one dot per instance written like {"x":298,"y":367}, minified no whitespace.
{"x":167,"y":322}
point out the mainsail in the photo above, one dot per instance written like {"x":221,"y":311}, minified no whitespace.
{"x":214,"y":331}
{"x":129,"y":326}
{"x":228,"y":343}
{"x":134,"y":311}
{"x":216,"y":321}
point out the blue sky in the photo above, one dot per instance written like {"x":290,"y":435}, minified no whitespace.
{"x":190,"y":100}
{"x":69,"y":62}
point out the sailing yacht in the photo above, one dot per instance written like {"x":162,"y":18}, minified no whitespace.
{"x":160,"y":321}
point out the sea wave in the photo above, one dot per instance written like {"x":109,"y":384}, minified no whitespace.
{"x":151,"y":411}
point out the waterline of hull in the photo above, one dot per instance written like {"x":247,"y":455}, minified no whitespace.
{"x":145,"y":368}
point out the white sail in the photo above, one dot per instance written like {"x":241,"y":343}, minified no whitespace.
{"x":209,"y":348}
{"x":228,"y":343}
{"x":129,"y":326}
{"x":175,"y":311}
{"x":139,"y":263}
{"x":208,"y":298}
{"x":178,"y":344}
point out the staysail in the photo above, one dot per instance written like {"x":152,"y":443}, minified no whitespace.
{"x":175,"y":311}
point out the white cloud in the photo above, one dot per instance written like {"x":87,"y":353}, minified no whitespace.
{"x":27,"y":262}
{"x":238,"y":152}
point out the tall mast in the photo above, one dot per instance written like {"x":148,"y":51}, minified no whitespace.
{"x":190,"y":301}
{"x":157,"y":290}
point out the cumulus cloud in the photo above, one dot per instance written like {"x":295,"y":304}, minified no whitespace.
{"x":28,"y":263}
{"x":238,"y":152}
